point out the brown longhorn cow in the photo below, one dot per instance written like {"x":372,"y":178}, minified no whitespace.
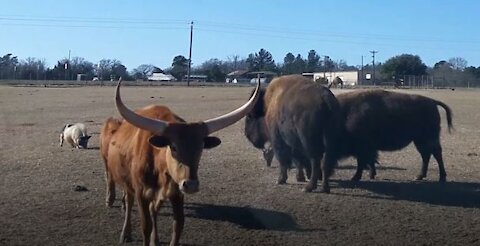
{"x":110,"y":126}
{"x":154,"y":156}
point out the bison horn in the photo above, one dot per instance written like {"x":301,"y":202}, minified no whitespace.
{"x":155,"y":126}
{"x":225,"y":120}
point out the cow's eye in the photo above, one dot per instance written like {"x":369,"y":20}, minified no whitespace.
{"x":173,"y":148}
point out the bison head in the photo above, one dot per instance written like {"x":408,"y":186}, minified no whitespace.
{"x":255,"y":127}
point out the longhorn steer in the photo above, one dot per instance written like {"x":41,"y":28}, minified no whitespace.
{"x":382,"y":120}
{"x":154,"y":155}
{"x":76,"y":135}
{"x":110,"y":126}
{"x":300,"y":119}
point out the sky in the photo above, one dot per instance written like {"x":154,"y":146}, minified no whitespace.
{"x":154,"y":32}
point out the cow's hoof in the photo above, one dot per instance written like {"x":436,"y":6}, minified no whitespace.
{"x":281,"y":182}
{"x":442,"y":180}
{"x":126,"y":239}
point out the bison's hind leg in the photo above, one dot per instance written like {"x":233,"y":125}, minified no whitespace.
{"x":283,"y":153}
{"x":426,"y":149}
{"x":366,"y":159}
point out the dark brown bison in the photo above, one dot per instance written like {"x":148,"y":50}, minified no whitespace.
{"x":337,"y":81}
{"x":382,"y":120}
{"x":299,"y":118}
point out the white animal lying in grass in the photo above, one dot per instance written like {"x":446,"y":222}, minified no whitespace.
{"x":76,"y":135}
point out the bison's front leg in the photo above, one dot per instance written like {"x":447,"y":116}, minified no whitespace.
{"x":178,"y":218}
{"x":312,"y":184}
{"x":268,"y":155}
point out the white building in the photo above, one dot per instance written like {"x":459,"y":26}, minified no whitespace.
{"x":349,"y":78}
{"x":161,"y":77}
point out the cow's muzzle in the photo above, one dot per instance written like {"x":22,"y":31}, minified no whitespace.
{"x":189,"y":186}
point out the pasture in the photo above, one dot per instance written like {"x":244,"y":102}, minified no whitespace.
{"x":42,"y":201}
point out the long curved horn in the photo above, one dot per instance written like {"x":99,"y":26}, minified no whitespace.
{"x":155,"y":126}
{"x":225,"y":120}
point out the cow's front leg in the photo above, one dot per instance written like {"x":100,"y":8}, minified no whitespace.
{"x":145,"y":218}
{"x":61,"y":140}
{"x":126,"y":236}
{"x":178,"y":218}
{"x":154,"y":235}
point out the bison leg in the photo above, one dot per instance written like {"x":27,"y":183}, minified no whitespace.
{"x":437,"y":153}
{"x":126,"y":235}
{"x":328,"y":165}
{"x":268,"y":155}
{"x":426,"y":151}
{"x":178,"y":218}
{"x":373,"y":170}
{"x":302,"y":162}
{"x":312,"y":184}
{"x":358,"y":174}
{"x":365,"y":159}
{"x":284,"y":158}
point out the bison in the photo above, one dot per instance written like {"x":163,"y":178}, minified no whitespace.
{"x":154,"y":156}
{"x":76,"y":135}
{"x":379,"y":120}
{"x":300,"y":120}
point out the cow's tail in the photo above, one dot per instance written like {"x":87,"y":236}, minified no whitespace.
{"x":449,"y":114}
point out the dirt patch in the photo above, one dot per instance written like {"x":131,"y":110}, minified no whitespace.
{"x":55,"y":195}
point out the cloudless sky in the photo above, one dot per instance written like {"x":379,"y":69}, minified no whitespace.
{"x":153,"y":32}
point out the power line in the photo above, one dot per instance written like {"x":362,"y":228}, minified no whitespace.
{"x":217,"y":26}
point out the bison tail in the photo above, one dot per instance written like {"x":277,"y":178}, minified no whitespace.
{"x":449,"y":114}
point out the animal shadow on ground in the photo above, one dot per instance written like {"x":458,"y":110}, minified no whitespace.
{"x":452,"y":194}
{"x":245,"y":217}
{"x":377,"y":166}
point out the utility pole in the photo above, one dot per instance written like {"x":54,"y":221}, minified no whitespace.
{"x":361,"y":73}
{"x":67,"y":64}
{"x":190,"y":54}
{"x":325,"y":58}
{"x":373,"y":64}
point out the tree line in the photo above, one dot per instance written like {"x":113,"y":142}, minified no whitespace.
{"x":451,"y":72}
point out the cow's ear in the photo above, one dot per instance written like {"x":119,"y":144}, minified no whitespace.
{"x":211,"y":142}
{"x":159,"y":141}
{"x":87,"y":137}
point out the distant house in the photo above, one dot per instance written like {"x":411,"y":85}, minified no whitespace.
{"x":349,"y":78}
{"x":265,"y":76}
{"x":237,"y":76}
{"x":196,"y":78}
{"x":161,"y":77}
{"x":242,"y":76}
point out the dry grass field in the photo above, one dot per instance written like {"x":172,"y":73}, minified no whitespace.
{"x":239,"y":202}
